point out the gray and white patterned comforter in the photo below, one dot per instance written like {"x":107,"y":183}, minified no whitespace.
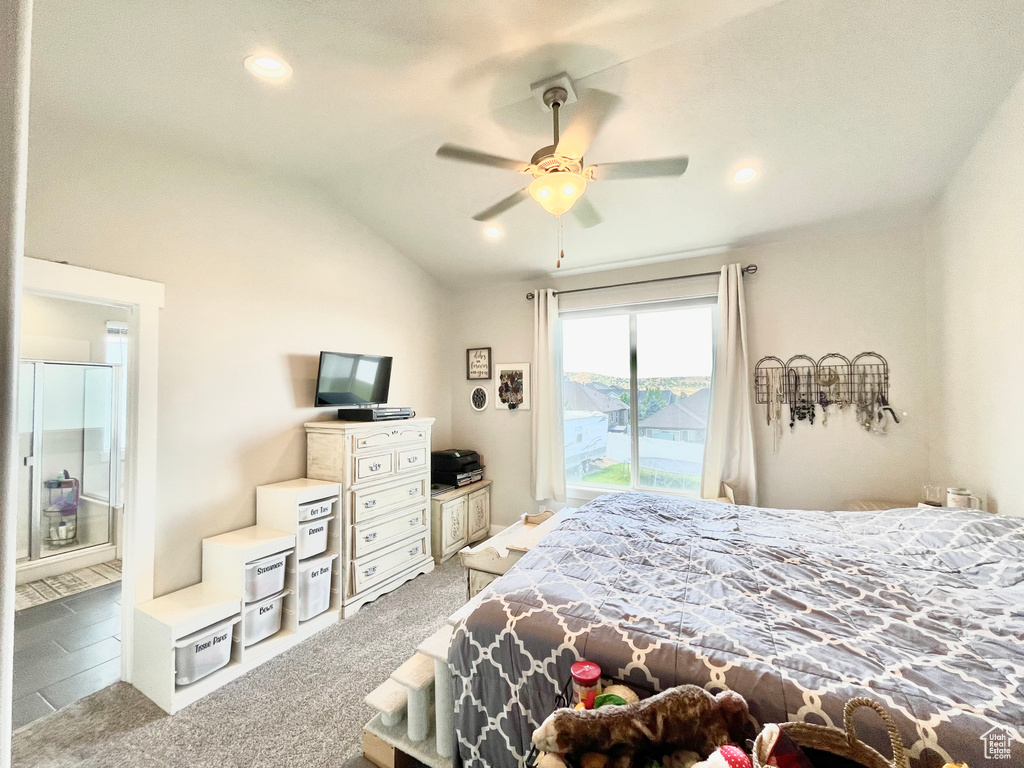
{"x":920,"y":609}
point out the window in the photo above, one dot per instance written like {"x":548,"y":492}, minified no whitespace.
{"x":636,"y":393}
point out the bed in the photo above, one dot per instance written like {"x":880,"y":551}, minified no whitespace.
{"x":920,"y":609}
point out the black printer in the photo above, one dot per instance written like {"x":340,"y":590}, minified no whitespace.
{"x":455,"y":467}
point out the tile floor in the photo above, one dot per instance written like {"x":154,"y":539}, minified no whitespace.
{"x":65,"y":650}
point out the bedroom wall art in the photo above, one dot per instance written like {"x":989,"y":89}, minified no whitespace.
{"x":512,"y":386}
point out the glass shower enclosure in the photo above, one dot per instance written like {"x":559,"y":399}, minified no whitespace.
{"x":71,"y":456}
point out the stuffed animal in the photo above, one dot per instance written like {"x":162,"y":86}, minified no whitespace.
{"x":685,"y":717}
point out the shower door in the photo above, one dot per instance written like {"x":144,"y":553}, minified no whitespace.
{"x":68,"y":419}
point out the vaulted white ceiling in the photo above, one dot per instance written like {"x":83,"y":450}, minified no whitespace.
{"x":847,"y":107}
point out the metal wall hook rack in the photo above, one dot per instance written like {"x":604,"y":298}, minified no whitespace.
{"x":833,"y":379}
{"x":804,"y":384}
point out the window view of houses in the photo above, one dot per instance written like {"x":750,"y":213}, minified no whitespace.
{"x":673,"y":417}
{"x":673,"y":387}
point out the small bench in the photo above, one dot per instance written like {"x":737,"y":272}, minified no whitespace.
{"x":494,"y":557}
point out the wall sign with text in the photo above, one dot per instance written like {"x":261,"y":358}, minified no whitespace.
{"x":478,"y":363}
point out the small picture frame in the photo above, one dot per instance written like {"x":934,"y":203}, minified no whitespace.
{"x":478,"y":364}
{"x":479,"y":398}
{"x":512,"y":386}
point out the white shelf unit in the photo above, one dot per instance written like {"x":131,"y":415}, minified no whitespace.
{"x":277,"y":506}
{"x":224,"y":560}
{"x":160,"y":623}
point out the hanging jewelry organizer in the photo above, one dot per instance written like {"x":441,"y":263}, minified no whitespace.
{"x":833,"y":381}
{"x":801,"y":388}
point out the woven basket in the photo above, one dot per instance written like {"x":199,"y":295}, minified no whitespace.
{"x":836,"y":741}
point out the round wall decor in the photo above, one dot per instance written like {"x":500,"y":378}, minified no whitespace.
{"x":478,"y":398}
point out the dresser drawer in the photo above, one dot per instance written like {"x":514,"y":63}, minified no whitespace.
{"x":371,"y":467}
{"x":371,"y":503}
{"x":412,"y":459}
{"x":386,"y":437}
{"x":380,"y":566}
{"x":387,"y":529}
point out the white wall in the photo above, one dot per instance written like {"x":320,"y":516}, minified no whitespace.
{"x":260,"y":274}
{"x":847,"y":294}
{"x":57,"y":329}
{"x":976,"y":235}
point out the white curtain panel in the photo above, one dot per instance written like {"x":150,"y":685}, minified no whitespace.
{"x":548,"y":447}
{"x":729,"y":449}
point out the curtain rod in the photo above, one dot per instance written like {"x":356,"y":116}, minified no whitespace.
{"x":750,"y":269}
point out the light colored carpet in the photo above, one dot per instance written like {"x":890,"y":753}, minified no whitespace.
{"x":303,"y":709}
{"x":51,"y":588}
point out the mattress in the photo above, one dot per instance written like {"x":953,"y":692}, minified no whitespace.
{"x":919,"y":609}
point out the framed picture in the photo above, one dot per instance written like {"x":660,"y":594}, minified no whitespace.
{"x":478,"y":363}
{"x":478,"y":398}
{"x":512,"y":386}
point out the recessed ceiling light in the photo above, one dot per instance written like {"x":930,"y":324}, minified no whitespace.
{"x":493,"y":232}
{"x":745,"y":175}
{"x":268,"y":67}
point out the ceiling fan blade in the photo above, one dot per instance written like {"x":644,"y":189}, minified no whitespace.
{"x":586,"y":214}
{"x":592,"y":110}
{"x":641,"y":169}
{"x":503,"y":205}
{"x":465,"y":155}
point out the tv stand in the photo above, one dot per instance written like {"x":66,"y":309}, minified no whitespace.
{"x":363,"y":413}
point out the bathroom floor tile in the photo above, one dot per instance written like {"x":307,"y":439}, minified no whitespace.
{"x":28,"y":709}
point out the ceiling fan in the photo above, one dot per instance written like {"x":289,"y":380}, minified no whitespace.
{"x":560,"y":177}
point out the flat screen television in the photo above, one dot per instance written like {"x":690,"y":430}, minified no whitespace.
{"x":345,"y":379}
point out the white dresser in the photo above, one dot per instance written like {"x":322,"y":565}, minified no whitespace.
{"x":384,"y":471}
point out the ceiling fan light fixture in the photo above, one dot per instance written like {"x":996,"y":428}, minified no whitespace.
{"x":558,"y":191}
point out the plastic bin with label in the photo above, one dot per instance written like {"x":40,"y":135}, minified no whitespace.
{"x":203,"y":652}
{"x":316,"y":509}
{"x":312,"y":538}
{"x":262,"y":619}
{"x":265,"y":576}
{"x":313,"y":585}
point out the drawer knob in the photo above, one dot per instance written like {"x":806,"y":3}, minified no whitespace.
{"x":413,"y":491}
{"x":375,"y":467}
{"x":413,"y":459}
{"x":369,"y":503}
{"x":414,"y":550}
{"x":370,"y":571}
{"x":413,"y":520}
{"x":370,"y":536}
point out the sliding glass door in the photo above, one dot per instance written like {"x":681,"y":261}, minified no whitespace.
{"x":636,"y":395}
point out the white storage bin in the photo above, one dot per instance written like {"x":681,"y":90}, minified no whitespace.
{"x":265,"y":576}
{"x":313,"y":585}
{"x":316,"y":509}
{"x":311,"y":538}
{"x":262,"y":619}
{"x":203,"y":652}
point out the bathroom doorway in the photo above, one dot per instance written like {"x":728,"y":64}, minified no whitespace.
{"x":75,"y":622}
{"x":72,"y":415}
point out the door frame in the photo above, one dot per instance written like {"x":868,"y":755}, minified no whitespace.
{"x":143,"y":299}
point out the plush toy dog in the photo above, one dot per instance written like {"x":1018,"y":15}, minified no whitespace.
{"x":685,"y":717}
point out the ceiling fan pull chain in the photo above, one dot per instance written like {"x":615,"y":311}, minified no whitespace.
{"x":561,"y":249}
